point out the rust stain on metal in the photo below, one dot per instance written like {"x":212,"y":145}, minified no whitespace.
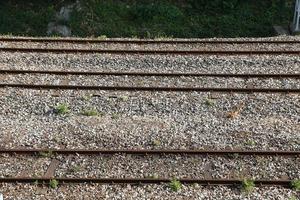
{"x":145,"y":151}
{"x":147,"y":41}
{"x":158,"y":89}
{"x":126,"y":51}
{"x":124,"y":73}
{"x":142,"y":180}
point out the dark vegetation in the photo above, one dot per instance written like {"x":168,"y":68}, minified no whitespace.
{"x":151,"y":18}
{"x":25,"y":17}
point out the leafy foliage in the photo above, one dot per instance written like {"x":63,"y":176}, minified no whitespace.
{"x":150,"y":18}
{"x":25,"y":17}
{"x":175,"y":185}
{"x":192,"y":18}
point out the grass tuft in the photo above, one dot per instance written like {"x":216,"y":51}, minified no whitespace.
{"x":53,"y":183}
{"x":292,"y":198}
{"x":209,"y":102}
{"x":250,"y":143}
{"x":295,"y":184}
{"x":115,"y":116}
{"x":46,"y":154}
{"x":91,"y":112}
{"x":124,"y":98}
{"x":175,"y":185}
{"x":156,"y":143}
{"x":87,"y":97}
{"x":62,"y":109}
{"x":248,"y":185}
{"x":102,"y":37}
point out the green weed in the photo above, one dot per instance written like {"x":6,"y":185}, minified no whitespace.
{"x":209,"y":102}
{"x":62,"y":109}
{"x":175,"y":185}
{"x":91,"y":112}
{"x":46,"y":154}
{"x":53,"y":183}
{"x":248,"y":185}
{"x":295,"y":184}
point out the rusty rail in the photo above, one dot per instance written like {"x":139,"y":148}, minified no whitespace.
{"x":149,"y":151}
{"x":126,"y":51}
{"x":168,"y":74}
{"x":158,"y":89}
{"x":147,"y":41}
{"x":46,"y":180}
{"x":49,"y":175}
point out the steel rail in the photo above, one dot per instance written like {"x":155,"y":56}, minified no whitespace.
{"x":158,"y":89}
{"x":173,"y":74}
{"x":149,"y":152}
{"x":126,"y":51}
{"x":147,"y":41}
{"x":41,"y":180}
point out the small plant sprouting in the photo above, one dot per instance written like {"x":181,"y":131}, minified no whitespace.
{"x":250,"y":143}
{"x":76,"y":168}
{"x":53,"y":183}
{"x":209,"y":102}
{"x":295,"y":184}
{"x":46,"y":154}
{"x":36,"y":182}
{"x":123,"y":98}
{"x":115,"y":116}
{"x":248,"y":185}
{"x":233,"y":156}
{"x":293,"y":198}
{"x":91,"y":112}
{"x":156,"y":143}
{"x":62,"y":109}
{"x":154,"y":176}
{"x":102,"y":37}
{"x":175,"y":185}
{"x":87,"y":97}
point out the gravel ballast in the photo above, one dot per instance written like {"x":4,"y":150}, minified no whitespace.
{"x":152,"y":81}
{"x":152,"y":63}
{"x":150,"y":120}
{"x":181,"y":166}
{"x":22,"y":166}
{"x":162,"y":191}
{"x":153,"y":166}
{"x":136,"y":119}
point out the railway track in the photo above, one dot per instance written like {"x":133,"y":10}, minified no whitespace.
{"x":133,"y":87}
{"x":61,"y":155}
{"x":161,"y":52}
{"x":157,"y":89}
{"x":285,"y":183}
{"x":162,"y":47}
{"x":148,"y":152}
{"x":113,"y":73}
{"x":50,"y":174}
{"x":143,"y":41}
